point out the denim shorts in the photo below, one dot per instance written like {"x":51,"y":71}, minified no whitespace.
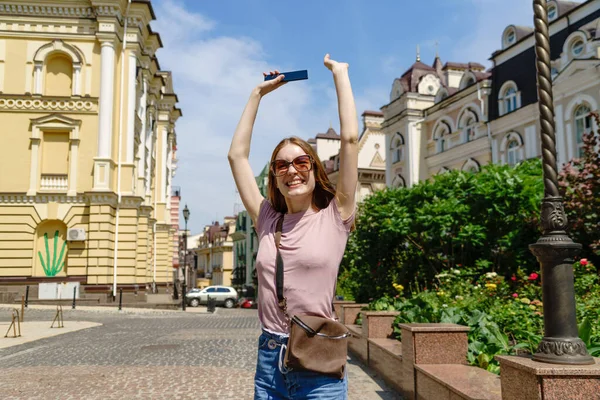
{"x":273,"y":384}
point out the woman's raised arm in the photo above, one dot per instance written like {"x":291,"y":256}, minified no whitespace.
{"x":348,"y":175}
{"x":240,"y":148}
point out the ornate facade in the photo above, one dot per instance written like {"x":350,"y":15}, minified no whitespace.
{"x":88,"y":136}
{"x":458,"y":116}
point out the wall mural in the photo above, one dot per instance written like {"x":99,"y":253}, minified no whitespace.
{"x":53,"y":266}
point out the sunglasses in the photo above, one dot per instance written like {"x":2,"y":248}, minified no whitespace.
{"x":301,"y":163}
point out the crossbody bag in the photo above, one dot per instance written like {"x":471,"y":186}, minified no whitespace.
{"x":315,"y":343}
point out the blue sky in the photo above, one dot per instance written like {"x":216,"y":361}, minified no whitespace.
{"x":217,"y":51}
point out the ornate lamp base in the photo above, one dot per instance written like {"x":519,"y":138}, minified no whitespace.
{"x":571,"y":351}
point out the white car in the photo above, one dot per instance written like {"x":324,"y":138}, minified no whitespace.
{"x":224,"y":295}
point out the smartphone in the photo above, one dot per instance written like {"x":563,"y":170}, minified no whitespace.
{"x":290,"y":76}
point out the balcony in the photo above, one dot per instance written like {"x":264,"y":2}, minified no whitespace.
{"x":54,"y":182}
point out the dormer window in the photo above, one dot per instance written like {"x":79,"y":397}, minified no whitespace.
{"x":510,"y":37}
{"x":577,"y":48}
{"x":552,"y":12}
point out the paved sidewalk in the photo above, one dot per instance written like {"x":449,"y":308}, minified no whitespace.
{"x":158,"y":354}
{"x":36,"y":330}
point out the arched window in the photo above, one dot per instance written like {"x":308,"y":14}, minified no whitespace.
{"x":59,"y":75}
{"x":471,"y":165}
{"x":508,"y":98}
{"x":441,"y":137}
{"x":583,"y":125}
{"x":467,"y":80}
{"x":509,"y":37}
{"x":398,"y":181}
{"x":512,"y":152}
{"x":577,"y":48}
{"x":397,"y":147}
{"x":468,"y":123}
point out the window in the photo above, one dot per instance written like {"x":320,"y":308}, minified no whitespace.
{"x":577,"y":48}
{"x":510,"y":37}
{"x":583,"y":125}
{"x":552,"y":12}
{"x":398,"y":181}
{"x":468,"y":123}
{"x":396,"y":148}
{"x":512,"y":152}
{"x":211,"y":290}
{"x":441,"y":137}
{"x":554,"y":72}
{"x":223,"y":290}
{"x":510,"y":99}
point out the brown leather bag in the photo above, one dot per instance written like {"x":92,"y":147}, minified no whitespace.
{"x":315,"y":344}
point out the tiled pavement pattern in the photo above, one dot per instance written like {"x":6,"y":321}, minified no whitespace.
{"x":159,"y":355}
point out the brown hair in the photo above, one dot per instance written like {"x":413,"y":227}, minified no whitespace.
{"x":324,"y":191}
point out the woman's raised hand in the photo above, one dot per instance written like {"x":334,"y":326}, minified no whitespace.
{"x":268,"y":86}
{"x":333,"y":65}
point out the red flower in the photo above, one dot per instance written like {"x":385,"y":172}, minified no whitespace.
{"x":533,"y":276}
{"x":583,"y":261}
{"x":513,"y":278}
{"x":515,"y":295}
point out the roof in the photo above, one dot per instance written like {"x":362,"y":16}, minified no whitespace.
{"x":149,"y":3}
{"x":410,"y":79}
{"x":591,"y":28}
{"x":311,"y":141}
{"x":374,"y":113}
{"x":330,"y":134}
{"x":565,"y":6}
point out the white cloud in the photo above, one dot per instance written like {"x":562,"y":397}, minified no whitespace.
{"x":213,"y":76}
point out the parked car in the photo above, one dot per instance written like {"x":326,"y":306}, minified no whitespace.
{"x":223,"y":295}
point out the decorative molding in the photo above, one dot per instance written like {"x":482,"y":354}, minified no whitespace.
{"x":56,"y":11}
{"x":58,"y":198}
{"x":108,"y":11}
{"x":48,"y":105}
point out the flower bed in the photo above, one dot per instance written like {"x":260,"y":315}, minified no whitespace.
{"x":505,"y":315}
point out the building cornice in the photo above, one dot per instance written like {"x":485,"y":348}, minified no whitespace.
{"x":49,"y":11}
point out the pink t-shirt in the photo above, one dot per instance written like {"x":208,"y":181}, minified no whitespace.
{"x":312,"y":246}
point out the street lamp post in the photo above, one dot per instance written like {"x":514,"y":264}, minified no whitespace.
{"x":554,"y":250}
{"x":186,"y":216}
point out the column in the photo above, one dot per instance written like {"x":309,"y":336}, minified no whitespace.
{"x":33,"y":173}
{"x":37,"y":76}
{"x":143,"y":133}
{"x":414,"y":145}
{"x":162,"y":165}
{"x":560,"y":136}
{"x":2,"y":59}
{"x":76,"y":79}
{"x":73,"y":157}
{"x":102,"y":163}
{"x":107,"y":97}
{"x":131,"y":97}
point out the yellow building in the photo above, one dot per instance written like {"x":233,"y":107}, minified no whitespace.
{"x":86,"y":154}
{"x":214,"y":253}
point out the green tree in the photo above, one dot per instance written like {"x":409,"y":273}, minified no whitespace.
{"x":409,"y":235}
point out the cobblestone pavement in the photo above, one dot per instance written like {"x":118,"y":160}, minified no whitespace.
{"x":161,"y":355}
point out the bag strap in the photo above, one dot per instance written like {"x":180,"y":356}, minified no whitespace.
{"x":281,"y":299}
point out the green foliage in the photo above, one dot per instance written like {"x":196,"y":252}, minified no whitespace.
{"x":580,"y":185}
{"x":459,"y":218}
{"x":52,"y":266}
{"x":512,"y":322}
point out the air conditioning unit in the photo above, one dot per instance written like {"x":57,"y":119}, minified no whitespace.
{"x":76,"y":234}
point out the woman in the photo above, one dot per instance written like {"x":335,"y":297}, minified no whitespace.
{"x":316,"y":225}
